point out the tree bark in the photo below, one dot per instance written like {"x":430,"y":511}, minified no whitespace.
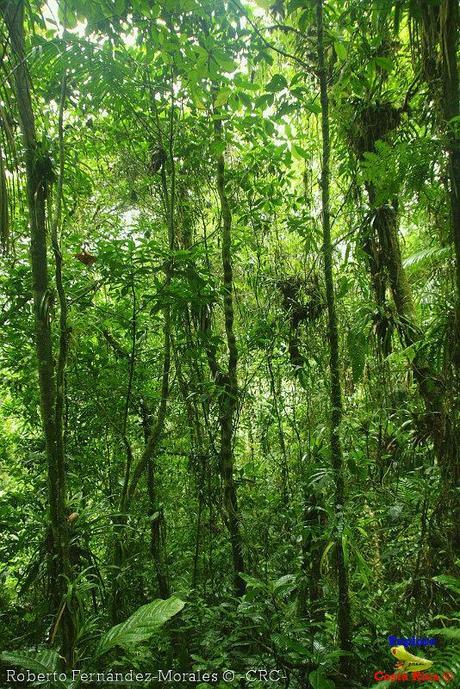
{"x":157,"y":533}
{"x":309,"y":591}
{"x":50,"y":398}
{"x":449,"y":43}
{"x":449,"y":18}
{"x":439,"y":24}
{"x":343,"y":612}
{"x":227,"y":384}
{"x":156,"y":516}
{"x":431,"y":388}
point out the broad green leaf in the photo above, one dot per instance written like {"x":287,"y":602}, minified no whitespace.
{"x":43,"y":662}
{"x":141,"y":625}
{"x":245,"y":99}
{"x":423,"y":256}
{"x":264,"y":101}
{"x":67,"y":16}
{"x":291,"y":645}
{"x":284,"y":582}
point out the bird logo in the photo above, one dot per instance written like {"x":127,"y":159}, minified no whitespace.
{"x":408,"y":662}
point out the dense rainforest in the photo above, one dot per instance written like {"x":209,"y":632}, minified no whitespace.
{"x":230,"y":343}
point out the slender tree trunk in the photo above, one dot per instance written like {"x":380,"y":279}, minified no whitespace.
{"x":200,"y":456}
{"x":156,"y":515}
{"x":63,"y":325}
{"x":309,"y":593}
{"x":145,"y":465}
{"x":51,"y":401}
{"x":120,"y":519}
{"x":157,"y":532}
{"x":228,"y":386}
{"x":449,"y":14}
{"x":157,"y":429}
{"x":343,"y":613}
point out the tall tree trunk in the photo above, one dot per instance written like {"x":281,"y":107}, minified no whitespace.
{"x":343,"y":612}
{"x":431,"y":388}
{"x":449,"y":19}
{"x":120,"y":519}
{"x":153,"y":433}
{"x":50,"y":403}
{"x":227,"y":384}
{"x":157,"y":533}
{"x":156,"y":516}
{"x":200,"y":456}
{"x":439,"y":44}
{"x":156,"y":433}
{"x":168,"y":198}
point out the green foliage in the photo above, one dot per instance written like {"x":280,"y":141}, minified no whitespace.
{"x":319,"y":681}
{"x":141,"y":625}
{"x":196,"y":80}
{"x":450,"y":582}
{"x":44,"y":662}
{"x":420,"y":258}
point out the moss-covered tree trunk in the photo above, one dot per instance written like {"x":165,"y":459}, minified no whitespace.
{"x":439,"y":29}
{"x":343,"y":614}
{"x":51,"y":412}
{"x":378,"y":121}
{"x":450,"y":80}
{"x":449,"y":19}
{"x":228,"y":386}
{"x":440,"y":422}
